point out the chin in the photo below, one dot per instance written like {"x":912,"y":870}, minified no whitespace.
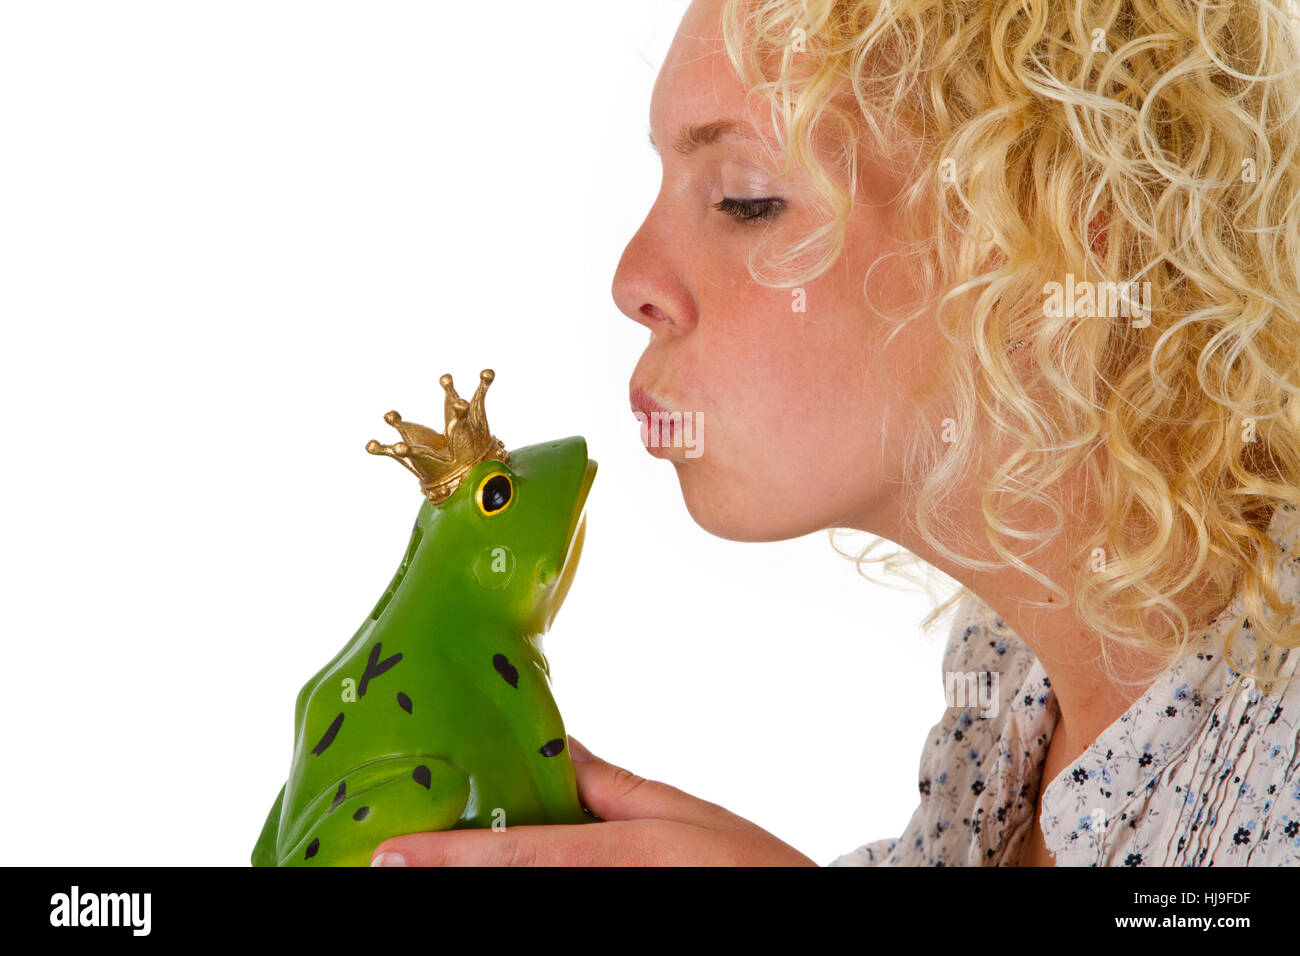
{"x":739,"y":512}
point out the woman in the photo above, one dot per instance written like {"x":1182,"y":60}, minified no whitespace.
{"x":1014,"y":286}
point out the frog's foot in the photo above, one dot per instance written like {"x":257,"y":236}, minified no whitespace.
{"x":381,"y":799}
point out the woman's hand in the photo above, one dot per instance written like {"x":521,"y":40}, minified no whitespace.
{"x":643,"y":823}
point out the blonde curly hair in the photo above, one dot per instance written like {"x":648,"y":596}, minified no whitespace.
{"x":1123,"y":142}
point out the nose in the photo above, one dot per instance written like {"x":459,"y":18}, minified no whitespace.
{"x":649,"y":287}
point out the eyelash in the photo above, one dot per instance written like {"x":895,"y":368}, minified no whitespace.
{"x":750,"y":210}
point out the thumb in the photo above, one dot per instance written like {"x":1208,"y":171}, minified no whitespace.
{"x":613,"y":793}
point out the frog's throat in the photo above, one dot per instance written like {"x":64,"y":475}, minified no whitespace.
{"x":570,"y":566}
{"x":575,"y":535}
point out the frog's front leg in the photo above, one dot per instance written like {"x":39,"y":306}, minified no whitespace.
{"x":378,"y":800}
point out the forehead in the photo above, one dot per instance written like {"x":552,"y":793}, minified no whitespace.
{"x":697,"y":83}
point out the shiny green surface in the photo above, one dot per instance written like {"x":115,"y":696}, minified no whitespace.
{"x":455,"y":731}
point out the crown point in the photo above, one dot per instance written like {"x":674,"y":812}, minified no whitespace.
{"x":441,"y":461}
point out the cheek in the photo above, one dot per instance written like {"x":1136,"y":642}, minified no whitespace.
{"x":787,"y":369}
{"x":784,"y":338}
{"x":797,"y":396}
{"x":791,"y":442}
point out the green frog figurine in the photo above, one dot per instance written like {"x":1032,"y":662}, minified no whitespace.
{"x":438,"y":713}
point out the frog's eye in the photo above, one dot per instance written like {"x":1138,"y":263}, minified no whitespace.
{"x":494,"y":493}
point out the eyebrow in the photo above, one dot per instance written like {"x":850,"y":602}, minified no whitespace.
{"x":691,"y":138}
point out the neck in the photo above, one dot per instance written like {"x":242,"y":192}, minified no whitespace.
{"x":1089,"y":696}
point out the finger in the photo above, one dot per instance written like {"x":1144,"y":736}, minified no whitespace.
{"x":590,"y":844}
{"x":613,"y":793}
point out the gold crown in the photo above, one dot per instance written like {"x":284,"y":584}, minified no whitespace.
{"x":441,"y":461}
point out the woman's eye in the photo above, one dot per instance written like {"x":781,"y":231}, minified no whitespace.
{"x":750,"y":210}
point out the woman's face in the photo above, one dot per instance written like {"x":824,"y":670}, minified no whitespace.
{"x":799,"y":418}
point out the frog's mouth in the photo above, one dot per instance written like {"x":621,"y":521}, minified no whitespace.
{"x":576,"y":534}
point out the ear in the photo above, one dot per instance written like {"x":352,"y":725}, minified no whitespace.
{"x":1097,"y":232}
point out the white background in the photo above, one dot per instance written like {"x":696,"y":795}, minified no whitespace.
{"x":232,"y":235}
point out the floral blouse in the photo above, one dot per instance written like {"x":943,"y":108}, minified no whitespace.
{"x":1202,"y":769}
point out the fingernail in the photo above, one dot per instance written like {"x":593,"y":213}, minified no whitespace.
{"x":579,"y":753}
{"x":389,"y":859}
